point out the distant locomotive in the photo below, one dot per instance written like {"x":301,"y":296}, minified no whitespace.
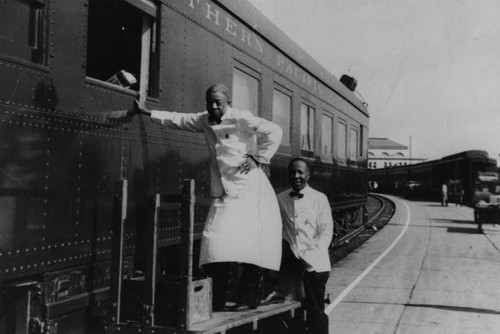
{"x":67,"y":65}
{"x":424,"y":180}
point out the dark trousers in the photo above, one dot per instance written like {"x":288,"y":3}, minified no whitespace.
{"x":249,"y":277}
{"x":314,"y":285}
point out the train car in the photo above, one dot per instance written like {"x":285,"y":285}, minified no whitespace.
{"x":424,"y":180}
{"x":66,"y":66}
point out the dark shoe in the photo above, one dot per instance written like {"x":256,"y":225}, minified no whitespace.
{"x":273,"y":298}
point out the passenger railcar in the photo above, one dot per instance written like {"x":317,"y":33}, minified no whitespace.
{"x":424,"y":180}
{"x":67,"y":65}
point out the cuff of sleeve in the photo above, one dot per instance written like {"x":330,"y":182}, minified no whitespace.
{"x":254,"y":159}
{"x":260,"y":159}
{"x":154,"y":113}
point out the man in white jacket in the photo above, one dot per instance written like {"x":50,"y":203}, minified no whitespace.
{"x":307,"y":234}
{"x":243,"y":224}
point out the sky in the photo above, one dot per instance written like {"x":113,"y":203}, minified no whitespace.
{"x":427,"y":69}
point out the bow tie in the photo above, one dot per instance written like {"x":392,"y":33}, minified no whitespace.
{"x":214,"y":120}
{"x":296,"y":194}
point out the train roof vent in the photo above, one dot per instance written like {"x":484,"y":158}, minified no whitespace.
{"x":349,"y":82}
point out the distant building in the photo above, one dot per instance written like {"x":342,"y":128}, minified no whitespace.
{"x":383,"y":152}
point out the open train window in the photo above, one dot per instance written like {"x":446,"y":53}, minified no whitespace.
{"x":342,"y":142}
{"x":122,"y":45}
{"x":307,"y":130}
{"x":22,"y":29}
{"x":245,"y":91}
{"x":327,"y":138}
{"x":282,"y":108}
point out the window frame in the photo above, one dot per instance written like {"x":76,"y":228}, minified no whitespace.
{"x":309,"y":107}
{"x":353,"y":155}
{"x":342,"y":122}
{"x":37,"y":36}
{"x":328,"y":157}
{"x":250,"y":72}
{"x":148,"y":76}
{"x":283,"y":90}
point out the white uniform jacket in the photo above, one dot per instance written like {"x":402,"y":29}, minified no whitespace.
{"x":243,"y":224}
{"x":308,"y":227}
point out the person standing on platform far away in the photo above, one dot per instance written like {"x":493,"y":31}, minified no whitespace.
{"x":243,"y":224}
{"x":307,"y":234}
{"x":444,"y":195}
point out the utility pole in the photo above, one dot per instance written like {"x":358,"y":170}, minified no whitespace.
{"x":410,"y":150}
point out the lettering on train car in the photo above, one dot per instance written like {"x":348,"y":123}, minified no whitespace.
{"x":230,"y":26}
{"x":295,"y":71}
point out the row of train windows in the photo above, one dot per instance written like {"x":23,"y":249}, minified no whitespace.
{"x":246,"y":96}
{"x":122,"y":48}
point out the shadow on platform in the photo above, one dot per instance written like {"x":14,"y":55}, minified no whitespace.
{"x":465,"y":230}
{"x":451,"y":221}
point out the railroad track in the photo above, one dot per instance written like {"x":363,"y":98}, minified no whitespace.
{"x":379,"y":211}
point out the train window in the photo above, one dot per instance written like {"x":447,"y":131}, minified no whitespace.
{"x":342,"y":142}
{"x":282,"y":106}
{"x":374,"y":165}
{"x":122,"y":47}
{"x":22,"y":29}
{"x":245,"y":91}
{"x":327,"y":138}
{"x":306,"y":128}
{"x":354,"y":144}
{"x":361,"y":136}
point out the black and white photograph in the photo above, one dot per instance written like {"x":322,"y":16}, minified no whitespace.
{"x":249,"y":167}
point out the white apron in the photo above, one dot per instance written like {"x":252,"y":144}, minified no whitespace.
{"x":244,"y":228}
{"x":245,"y":224}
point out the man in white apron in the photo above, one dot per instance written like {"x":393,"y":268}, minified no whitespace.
{"x":244,"y":223}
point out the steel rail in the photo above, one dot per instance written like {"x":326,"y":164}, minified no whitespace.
{"x":356,"y":232}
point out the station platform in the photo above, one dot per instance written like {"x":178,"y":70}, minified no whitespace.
{"x":427,"y":271}
{"x":224,"y":321}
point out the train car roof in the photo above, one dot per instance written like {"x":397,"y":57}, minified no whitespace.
{"x":467,"y":154}
{"x":472,"y":154}
{"x":274,"y":35}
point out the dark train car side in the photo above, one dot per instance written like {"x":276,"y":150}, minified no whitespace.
{"x":62,"y":66}
{"x":425,"y":180}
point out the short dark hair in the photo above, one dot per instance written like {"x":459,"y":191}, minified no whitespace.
{"x":298,"y":159}
{"x":219,"y":87}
